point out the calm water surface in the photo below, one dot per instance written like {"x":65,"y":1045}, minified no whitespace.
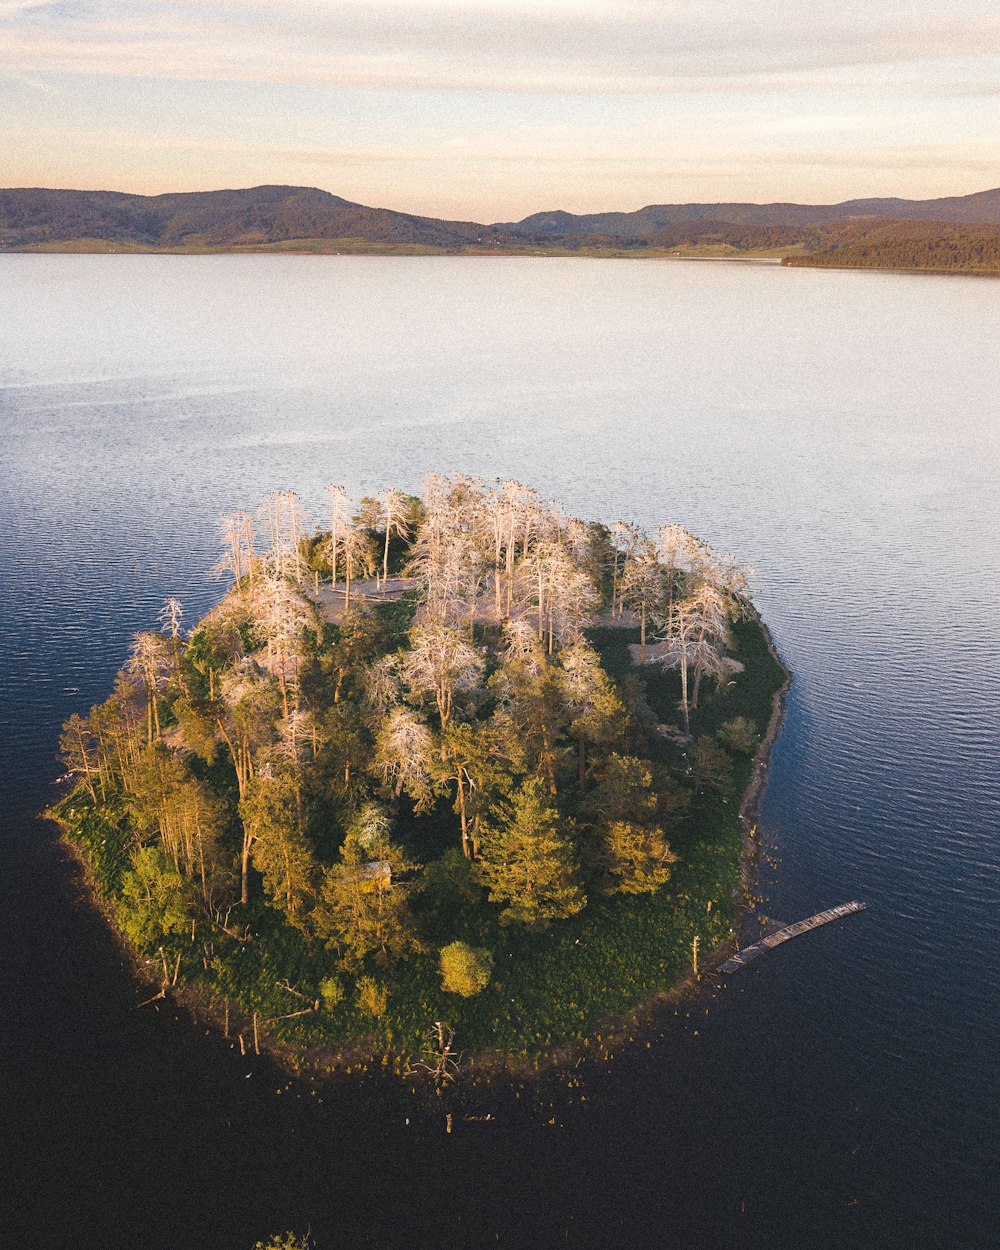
{"x":837,"y":431}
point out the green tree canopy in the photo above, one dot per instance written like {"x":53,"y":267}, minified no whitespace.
{"x":527,"y":862}
{"x":365,"y":908}
{"x":465,"y":969}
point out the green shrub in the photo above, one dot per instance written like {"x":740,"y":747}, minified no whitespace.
{"x":155,"y":903}
{"x":740,"y":735}
{"x":465,"y":969}
{"x":287,"y":1241}
{"x":373,"y":997}
{"x":331,"y":991}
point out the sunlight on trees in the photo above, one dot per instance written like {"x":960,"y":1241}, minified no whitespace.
{"x":401,"y":776}
{"x":465,"y":969}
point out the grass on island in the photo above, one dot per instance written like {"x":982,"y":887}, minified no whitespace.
{"x":549,"y":990}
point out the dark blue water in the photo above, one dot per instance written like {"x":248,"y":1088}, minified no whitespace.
{"x":837,"y":431}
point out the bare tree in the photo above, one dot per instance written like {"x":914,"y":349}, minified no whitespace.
{"x":696,"y":633}
{"x":395,"y":510}
{"x":282,"y":514}
{"x":683,"y":557}
{"x":78,"y":752}
{"x":151,"y":662}
{"x":171,"y":615}
{"x":441,"y":664}
{"x":282,"y":614}
{"x":238,"y":554}
{"x":383,"y":687}
{"x":340,"y":520}
{"x":359,"y":556}
{"x":404,"y":756}
{"x":249,"y":705}
{"x":711,"y":635}
{"x":499,"y":509}
{"x":625,"y":540}
{"x":642,"y":588}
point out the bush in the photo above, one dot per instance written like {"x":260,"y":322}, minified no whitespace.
{"x":465,"y":969}
{"x":287,"y":1242}
{"x":154,"y":901}
{"x":332,"y":992}
{"x":740,"y":735}
{"x":373,"y":998}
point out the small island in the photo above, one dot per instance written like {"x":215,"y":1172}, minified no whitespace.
{"x":452,"y":773}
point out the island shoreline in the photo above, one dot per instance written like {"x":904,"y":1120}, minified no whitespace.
{"x":203,"y":1007}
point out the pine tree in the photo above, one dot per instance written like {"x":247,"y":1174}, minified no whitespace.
{"x":527,"y":862}
{"x":364,"y":908}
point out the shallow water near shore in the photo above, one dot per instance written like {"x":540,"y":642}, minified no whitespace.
{"x":838,"y":431}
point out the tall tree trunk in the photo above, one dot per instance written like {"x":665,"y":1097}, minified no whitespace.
{"x":684,"y":693}
{"x":642,"y":633}
{"x":511,"y":554}
{"x":236,"y":755}
{"x":466,"y":849}
{"x":548,"y":760}
{"x":699,"y":668}
{"x":497,"y":550}
{"x":201,"y":861}
{"x":245,"y":869}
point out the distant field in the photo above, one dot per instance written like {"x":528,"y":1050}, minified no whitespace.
{"x":915,"y":246}
{"x":367,"y":247}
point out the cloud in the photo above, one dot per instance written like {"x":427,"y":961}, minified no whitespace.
{"x":559,"y":48}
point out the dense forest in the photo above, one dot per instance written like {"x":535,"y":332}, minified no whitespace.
{"x":456,"y":766}
{"x":954,"y":233}
{"x":936,"y":246}
{"x":243,"y":218}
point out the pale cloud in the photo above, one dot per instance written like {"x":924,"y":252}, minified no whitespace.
{"x":492,"y":47}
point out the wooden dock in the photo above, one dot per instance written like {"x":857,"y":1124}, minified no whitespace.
{"x":750,"y":953}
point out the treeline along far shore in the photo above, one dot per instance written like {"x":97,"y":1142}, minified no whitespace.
{"x":449,"y":771}
{"x":959,"y":234}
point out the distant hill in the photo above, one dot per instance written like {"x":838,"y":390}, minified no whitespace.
{"x":956,"y":232}
{"x":258,"y":215}
{"x":982,"y":206}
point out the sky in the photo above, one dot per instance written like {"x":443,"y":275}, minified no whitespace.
{"x":488,"y":110}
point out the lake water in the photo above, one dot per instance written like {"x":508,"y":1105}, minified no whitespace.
{"x":838,"y":431}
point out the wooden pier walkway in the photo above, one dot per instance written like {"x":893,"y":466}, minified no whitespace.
{"x":750,"y":953}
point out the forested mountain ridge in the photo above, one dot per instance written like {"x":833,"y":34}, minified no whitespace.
{"x":933,"y":246}
{"x":454,"y":758}
{"x":981,"y":206}
{"x":257,"y":215}
{"x":304,"y":218}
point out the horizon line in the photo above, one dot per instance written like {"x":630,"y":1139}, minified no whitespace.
{"x":538,"y":212}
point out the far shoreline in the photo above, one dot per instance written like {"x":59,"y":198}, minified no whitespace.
{"x":767,"y":257}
